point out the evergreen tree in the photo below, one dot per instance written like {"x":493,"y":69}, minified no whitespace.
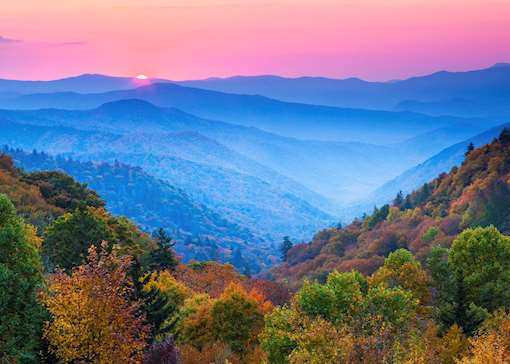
{"x":20,"y":279}
{"x":470,"y":148}
{"x":399,"y":199}
{"x":164,"y":256}
{"x":154,"y":304}
{"x":504,"y":137}
{"x":285,"y":247}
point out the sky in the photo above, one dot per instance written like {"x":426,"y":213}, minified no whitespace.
{"x":193,"y":39}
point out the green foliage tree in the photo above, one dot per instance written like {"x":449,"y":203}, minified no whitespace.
{"x":67,"y":240}
{"x":163,"y":257}
{"x":20,"y":279}
{"x":316,"y":299}
{"x":445,"y":285}
{"x":277,"y":339}
{"x":401,"y":269}
{"x":63,"y":191}
{"x":480,"y":260}
{"x":156,"y":306}
{"x":377,"y":216}
{"x":398,"y":201}
{"x":236,"y":318}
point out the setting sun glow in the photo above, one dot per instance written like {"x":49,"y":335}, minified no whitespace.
{"x":142,"y":77}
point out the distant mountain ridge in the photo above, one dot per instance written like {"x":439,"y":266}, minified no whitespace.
{"x":302,"y":121}
{"x":86,"y":83}
{"x":271,"y":209}
{"x":484,"y":92}
{"x":346,"y":169}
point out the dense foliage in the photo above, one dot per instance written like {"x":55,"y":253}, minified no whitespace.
{"x":431,"y":285}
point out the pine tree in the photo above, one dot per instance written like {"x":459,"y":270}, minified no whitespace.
{"x":399,"y":199}
{"x":470,"y":148}
{"x":504,"y":137}
{"x":164,"y":256}
{"x":285,"y":247}
{"x":154,"y":304}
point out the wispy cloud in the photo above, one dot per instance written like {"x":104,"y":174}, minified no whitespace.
{"x":5,"y":40}
{"x":69,"y":44}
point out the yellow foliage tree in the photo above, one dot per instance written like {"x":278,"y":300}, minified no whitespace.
{"x":92,"y":318}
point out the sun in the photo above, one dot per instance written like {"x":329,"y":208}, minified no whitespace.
{"x":142,"y":77}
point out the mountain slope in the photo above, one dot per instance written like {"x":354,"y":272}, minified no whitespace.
{"x":439,"y":163}
{"x":288,"y":119}
{"x":477,"y":193}
{"x":151,"y":203}
{"x":345,"y":172}
{"x":251,"y":202}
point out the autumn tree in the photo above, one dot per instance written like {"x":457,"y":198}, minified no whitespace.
{"x":93,"y":319}
{"x":401,"y":269}
{"x":194,"y":326}
{"x":20,"y":279}
{"x":237,"y":318}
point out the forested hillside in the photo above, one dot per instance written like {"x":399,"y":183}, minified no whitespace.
{"x":425,"y":280}
{"x":199,"y":232}
{"x":226,"y":182}
{"x":477,"y":193}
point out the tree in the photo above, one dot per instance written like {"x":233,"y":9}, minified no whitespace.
{"x":398,"y":201}
{"x":321,"y":342}
{"x":316,"y":299}
{"x":443,"y":280}
{"x":480,"y":259}
{"x":163,"y":257}
{"x":194,"y":326}
{"x":20,"y":279}
{"x":504,"y":137}
{"x":237,"y":318}
{"x":401,"y":269}
{"x":285,"y":247}
{"x":278,"y":339}
{"x":470,"y":148}
{"x":158,"y":307}
{"x":68,"y":239}
{"x":93,"y":319}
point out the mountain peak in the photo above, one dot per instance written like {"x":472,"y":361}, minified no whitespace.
{"x":501,"y":65}
{"x":129,"y":107}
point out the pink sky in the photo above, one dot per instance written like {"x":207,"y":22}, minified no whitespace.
{"x":185,"y":39}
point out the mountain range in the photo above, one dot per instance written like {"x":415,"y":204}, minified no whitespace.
{"x":283,"y":118}
{"x":483,"y":93}
{"x":252,"y":159}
